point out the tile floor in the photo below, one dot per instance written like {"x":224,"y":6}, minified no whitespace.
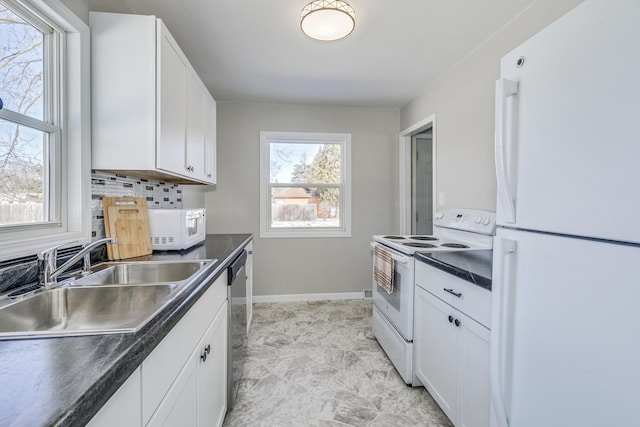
{"x":318,"y":364}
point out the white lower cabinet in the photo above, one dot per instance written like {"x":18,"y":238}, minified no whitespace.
{"x":183,"y":381}
{"x":212,"y":372}
{"x":435,"y":347}
{"x":123,"y":409}
{"x":184,"y":378}
{"x":451,"y":353}
{"x":198,"y":395}
{"x":180,"y":406}
{"x":474,"y":382}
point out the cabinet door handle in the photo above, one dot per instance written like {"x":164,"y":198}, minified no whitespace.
{"x":207,"y":349}
{"x":457,"y":322}
{"x":452,"y":292}
{"x":450,"y":319}
{"x":203,"y":356}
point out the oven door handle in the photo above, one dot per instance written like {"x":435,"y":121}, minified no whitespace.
{"x":396,"y":258}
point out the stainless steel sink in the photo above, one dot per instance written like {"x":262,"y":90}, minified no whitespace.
{"x":83,"y":311}
{"x":141,"y":272}
{"x":118,"y":297}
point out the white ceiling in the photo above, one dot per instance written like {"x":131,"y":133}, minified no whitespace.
{"x":253,"y":50}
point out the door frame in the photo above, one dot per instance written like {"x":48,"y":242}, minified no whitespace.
{"x":405,"y":175}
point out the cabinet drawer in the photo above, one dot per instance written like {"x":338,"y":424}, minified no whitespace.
{"x":163,"y":365}
{"x":473,"y":300}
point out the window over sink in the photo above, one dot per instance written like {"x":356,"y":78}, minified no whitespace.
{"x":305,"y":184}
{"x":44,"y":127}
{"x":30,"y":127}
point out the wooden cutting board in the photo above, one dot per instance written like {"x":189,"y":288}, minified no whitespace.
{"x":126,"y":219}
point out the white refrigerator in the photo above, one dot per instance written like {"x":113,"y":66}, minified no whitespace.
{"x":565,"y":337}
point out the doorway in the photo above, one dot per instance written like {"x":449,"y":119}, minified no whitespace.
{"x":417,"y":177}
{"x":422,"y":183}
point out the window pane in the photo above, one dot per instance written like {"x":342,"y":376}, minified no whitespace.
{"x":303,"y":163}
{"x":21,"y":65}
{"x":305,"y":207}
{"x":21,"y":174}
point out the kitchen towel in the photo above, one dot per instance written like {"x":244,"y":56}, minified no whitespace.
{"x":383,"y":268}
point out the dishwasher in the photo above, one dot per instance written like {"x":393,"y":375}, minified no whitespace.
{"x":237,"y":332}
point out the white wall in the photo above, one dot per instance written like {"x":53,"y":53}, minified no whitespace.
{"x":463,"y":100}
{"x":113,"y":6}
{"x":79,"y":7}
{"x":303,"y":266}
{"x":193,"y":196}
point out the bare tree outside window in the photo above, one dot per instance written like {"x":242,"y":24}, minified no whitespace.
{"x":23,"y":149}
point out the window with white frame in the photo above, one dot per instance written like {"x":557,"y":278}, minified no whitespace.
{"x":44,"y":127}
{"x":29,"y":127}
{"x":305,"y":184}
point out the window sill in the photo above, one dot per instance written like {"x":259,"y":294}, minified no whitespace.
{"x":304,"y":234}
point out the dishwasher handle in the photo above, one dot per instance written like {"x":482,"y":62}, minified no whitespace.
{"x":236,"y":267}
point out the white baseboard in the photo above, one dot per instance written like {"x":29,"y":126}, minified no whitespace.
{"x":307,"y":297}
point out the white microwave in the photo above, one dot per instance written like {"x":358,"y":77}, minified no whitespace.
{"x":176,"y":229}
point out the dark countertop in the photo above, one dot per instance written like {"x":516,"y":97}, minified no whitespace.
{"x":65,"y":381}
{"x":472,"y":266}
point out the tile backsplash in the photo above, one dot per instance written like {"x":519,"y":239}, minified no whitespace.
{"x":19,"y":272}
{"x":159,"y":195}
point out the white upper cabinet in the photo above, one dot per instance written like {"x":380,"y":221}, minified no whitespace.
{"x":210,"y":139}
{"x":151,"y":114}
{"x":196,"y":128}
{"x":171,"y":102}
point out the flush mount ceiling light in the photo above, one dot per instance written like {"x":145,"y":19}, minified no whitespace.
{"x":327,"y":20}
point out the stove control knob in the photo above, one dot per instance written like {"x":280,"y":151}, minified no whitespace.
{"x":486,"y":220}
{"x":478,"y":220}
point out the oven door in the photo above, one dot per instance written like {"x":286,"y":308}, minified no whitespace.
{"x":397,"y":306}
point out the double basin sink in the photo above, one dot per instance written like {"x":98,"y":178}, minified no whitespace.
{"x":118,"y":297}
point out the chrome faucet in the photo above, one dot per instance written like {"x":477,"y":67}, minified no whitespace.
{"x":48,"y":257}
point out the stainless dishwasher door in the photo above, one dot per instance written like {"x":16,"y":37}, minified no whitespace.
{"x":237,"y":333}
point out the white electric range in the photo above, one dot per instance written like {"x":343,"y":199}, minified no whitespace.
{"x":454,"y":230}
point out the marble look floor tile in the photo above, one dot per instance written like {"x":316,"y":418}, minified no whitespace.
{"x":318,"y":364}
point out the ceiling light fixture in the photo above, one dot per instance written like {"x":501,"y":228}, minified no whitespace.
{"x":327,"y":20}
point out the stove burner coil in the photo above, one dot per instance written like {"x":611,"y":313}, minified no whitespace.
{"x":430,"y":238}
{"x":420,"y":245}
{"x":394,"y":237}
{"x":455,"y":245}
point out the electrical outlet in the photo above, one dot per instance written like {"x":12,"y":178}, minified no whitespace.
{"x":441,"y":198}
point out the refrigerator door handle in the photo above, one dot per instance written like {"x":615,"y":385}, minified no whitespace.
{"x":499,"y":319}
{"x":504,"y":89}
